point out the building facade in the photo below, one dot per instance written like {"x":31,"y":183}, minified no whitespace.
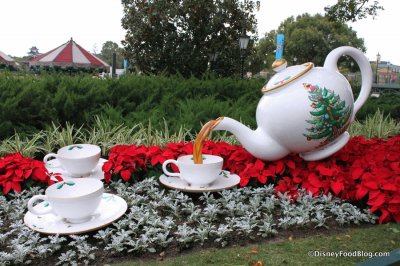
{"x":386,"y":72}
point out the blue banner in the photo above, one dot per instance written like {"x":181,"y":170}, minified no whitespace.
{"x":125,"y":63}
{"x":280,"y":40}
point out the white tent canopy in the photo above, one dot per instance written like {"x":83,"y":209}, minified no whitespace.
{"x":69,"y":54}
{"x":7,"y":60}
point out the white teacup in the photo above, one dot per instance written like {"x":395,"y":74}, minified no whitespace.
{"x":196,"y":175}
{"x":74,"y":201}
{"x":77,"y":159}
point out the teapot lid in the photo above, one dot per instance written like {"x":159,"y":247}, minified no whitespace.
{"x":286,"y":75}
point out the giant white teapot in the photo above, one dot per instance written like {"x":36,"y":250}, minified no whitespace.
{"x":304,"y":109}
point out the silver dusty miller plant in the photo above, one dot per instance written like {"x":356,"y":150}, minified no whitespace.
{"x":157,"y":217}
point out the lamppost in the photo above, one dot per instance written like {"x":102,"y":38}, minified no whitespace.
{"x":243,"y":42}
{"x":387,"y":72}
{"x":294,"y":60}
{"x":378,"y":60}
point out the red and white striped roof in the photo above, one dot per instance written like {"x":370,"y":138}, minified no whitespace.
{"x":5,"y":59}
{"x":69,"y":54}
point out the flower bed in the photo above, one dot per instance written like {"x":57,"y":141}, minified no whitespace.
{"x":365,"y":172}
{"x":159,"y":219}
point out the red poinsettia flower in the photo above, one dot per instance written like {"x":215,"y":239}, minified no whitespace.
{"x":16,"y":169}
{"x":286,"y":185}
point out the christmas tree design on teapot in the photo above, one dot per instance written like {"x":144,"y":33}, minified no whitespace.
{"x":330,"y":114}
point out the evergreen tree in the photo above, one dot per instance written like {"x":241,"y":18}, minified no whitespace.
{"x":308,"y":39}
{"x":174,"y":36}
{"x":107,"y":51}
{"x":330,"y":114}
{"x":352,"y":10}
{"x":33,"y":52}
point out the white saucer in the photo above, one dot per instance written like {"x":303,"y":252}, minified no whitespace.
{"x":226,"y":181}
{"x":111,"y":208}
{"x":55,"y":167}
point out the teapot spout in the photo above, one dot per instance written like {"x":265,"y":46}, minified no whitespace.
{"x":256,"y":142}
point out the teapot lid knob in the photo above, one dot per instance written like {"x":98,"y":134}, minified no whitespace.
{"x":279,"y":65}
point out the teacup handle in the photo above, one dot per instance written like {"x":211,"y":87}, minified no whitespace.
{"x":48,"y":156}
{"x":164,"y":167}
{"x":33,"y":200}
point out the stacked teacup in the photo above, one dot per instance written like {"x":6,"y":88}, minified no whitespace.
{"x":74,"y":199}
{"x":78,"y":160}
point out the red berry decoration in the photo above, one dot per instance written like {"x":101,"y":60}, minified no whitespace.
{"x":308,"y":138}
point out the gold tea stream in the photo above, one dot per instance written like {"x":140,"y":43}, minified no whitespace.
{"x":201,"y":137}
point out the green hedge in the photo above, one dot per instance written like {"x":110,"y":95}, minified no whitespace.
{"x":30,"y":103}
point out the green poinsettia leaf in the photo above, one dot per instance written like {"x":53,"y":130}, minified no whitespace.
{"x":28,"y":183}
{"x":70,"y":183}
{"x":60,"y":185}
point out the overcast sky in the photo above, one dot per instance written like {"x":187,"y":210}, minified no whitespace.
{"x":47,"y":24}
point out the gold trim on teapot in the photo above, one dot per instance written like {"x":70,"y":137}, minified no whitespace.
{"x":288,"y":79}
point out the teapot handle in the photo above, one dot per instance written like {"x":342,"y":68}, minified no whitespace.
{"x":365,"y":67}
